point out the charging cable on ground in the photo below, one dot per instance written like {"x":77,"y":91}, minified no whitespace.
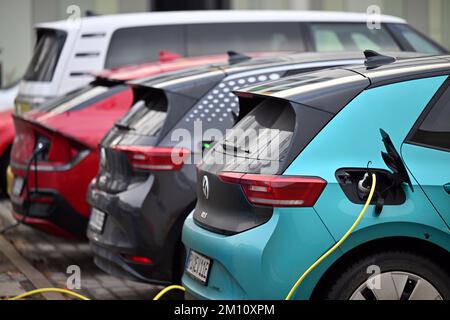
{"x":81,"y":297}
{"x":44,"y":290}
{"x":291,"y":292}
{"x":346,"y":235}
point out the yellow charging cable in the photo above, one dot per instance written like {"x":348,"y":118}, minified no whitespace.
{"x":346,"y":235}
{"x":177,"y":287}
{"x":37,"y":291}
{"x":81,"y":297}
{"x":165,"y":290}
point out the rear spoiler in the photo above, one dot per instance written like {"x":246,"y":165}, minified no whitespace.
{"x":52,"y":130}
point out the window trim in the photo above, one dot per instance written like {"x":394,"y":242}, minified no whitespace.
{"x":433,"y":102}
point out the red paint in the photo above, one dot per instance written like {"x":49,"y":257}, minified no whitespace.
{"x":6,"y":131}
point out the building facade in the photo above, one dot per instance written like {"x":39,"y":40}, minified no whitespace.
{"x":18,"y":17}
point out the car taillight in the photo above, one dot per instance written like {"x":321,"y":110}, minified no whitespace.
{"x":155,"y":158}
{"x":138,"y":259}
{"x":277,"y":191}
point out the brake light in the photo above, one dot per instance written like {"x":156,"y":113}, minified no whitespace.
{"x":138,"y":259}
{"x":155,"y":158}
{"x":277,"y":191}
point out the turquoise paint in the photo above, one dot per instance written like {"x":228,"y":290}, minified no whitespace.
{"x":257,"y":259}
{"x":263,"y":263}
{"x":431,"y":169}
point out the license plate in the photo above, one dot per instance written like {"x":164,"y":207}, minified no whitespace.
{"x":198,"y":267}
{"x":17,"y":186}
{"x":97,"y":220}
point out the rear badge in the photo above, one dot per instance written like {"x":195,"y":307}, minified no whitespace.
{"x":204,"y":214}
{"x":205,"y":187}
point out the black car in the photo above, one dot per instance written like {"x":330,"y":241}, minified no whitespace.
{"x":146,"y":184}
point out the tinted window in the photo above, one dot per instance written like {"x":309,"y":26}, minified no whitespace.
{"x":46,"y":55}
{"x":143,"y":44}
{"x":245,"y":37}
{"x":351,"y":37}
{"x":265,"y":133}
{"x":418,"y":42}
{"x":147,"y":116}
{"x":434,"y":131}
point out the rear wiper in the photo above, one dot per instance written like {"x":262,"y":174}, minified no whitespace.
{"x":226,"y":146}
{"x":123,"y":126}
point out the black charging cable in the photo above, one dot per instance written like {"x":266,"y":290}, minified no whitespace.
{"x":41,"y":148}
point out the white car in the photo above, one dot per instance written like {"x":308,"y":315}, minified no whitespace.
{"x":68,"y":52}
{"x":7,"y":96}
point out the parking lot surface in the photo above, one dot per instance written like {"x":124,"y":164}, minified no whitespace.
{"x":48,"y":258}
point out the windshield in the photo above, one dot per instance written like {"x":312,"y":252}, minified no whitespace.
{"x":46,"y":55}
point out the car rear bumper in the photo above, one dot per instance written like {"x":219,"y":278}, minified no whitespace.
{"x":262,"y":263}
{"x":135,"y":228}
{"x":48,"y":211}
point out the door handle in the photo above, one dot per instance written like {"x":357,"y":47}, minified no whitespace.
{"x":447,"y":188}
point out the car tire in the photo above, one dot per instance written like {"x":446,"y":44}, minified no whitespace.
{"x":351,"y":283}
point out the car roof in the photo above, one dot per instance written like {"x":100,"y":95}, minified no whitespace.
{"x":305,"y":59}
{"x":342,"y":83}
{"x":111,"y":22}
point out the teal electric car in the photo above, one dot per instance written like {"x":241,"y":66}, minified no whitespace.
{"x":292,"y":176}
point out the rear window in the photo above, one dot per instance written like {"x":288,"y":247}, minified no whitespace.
{"x":143,"y":44}
{"x":434,"y":131}
{"x":147,"y":116}
{"x":247,"y":37}
{"x":264,"y":134}
{"x":46,"y":55}
{"x":351,"y":37}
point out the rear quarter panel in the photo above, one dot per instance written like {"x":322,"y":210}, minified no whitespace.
{"x":352,"y":139}
{"x":6,"y":131}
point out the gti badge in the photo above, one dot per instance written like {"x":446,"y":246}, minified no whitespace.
{"x":205,"y":187}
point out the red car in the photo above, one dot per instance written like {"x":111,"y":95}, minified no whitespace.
{"x":55,"y":154}
{"x":6,"y":140}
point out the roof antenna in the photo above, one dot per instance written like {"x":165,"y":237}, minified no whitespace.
{"x":375,"y":59}
{"x":91,"y":13}
{"x":236,"y":57}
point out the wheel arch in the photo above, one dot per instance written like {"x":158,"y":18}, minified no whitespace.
{"x":430,"y":242}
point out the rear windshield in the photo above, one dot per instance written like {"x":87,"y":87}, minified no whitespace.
{"x":351,"y":37}
{"x":147,"y":116}
{"x":46,"y":55}
{"x":264,"y":134}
